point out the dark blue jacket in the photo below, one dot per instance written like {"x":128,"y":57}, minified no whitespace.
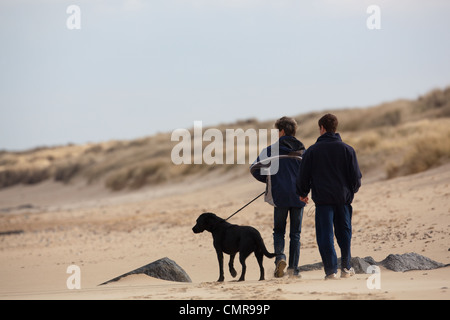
{"x":281,"y":186}
{"x":330,"y":169}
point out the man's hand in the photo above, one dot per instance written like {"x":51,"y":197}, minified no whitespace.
{"x":304,"y":199}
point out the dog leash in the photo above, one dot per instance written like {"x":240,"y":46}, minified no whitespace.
{"x":246,"y":204}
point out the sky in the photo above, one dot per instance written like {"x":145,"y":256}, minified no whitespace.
{"x":136,"y":68}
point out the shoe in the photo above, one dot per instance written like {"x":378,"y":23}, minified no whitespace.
{"x":347,"y":273}
{"x":297,"y":274}
{"x":332,"y":276}
{"x":279,"y":269}
{"x":293,"y":272}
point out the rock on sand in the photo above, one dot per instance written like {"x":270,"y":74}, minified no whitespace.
{"x":165,"y":269}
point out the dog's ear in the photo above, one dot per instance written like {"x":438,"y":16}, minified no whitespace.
{"x":210,"y":220}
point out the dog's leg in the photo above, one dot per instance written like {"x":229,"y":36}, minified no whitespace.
{"x":242,"y":256}
{"x":231,"y":266}
{"x":259,"y":257}
{"x":220,"y":258}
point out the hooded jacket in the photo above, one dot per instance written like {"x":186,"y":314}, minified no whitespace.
{"x":330,"y":169}
{"x":281,"y":186}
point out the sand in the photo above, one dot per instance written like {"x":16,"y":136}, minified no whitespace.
{"x":109,"y":233}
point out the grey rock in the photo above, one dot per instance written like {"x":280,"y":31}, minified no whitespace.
{"x":165,"y":269}
{"x":370,"y":260}
{"x":9,"y":232}
{"x":311,"y":267}
{"x":396,"y":262}
{"x":409,"y":261}
{"x":359,"y":264}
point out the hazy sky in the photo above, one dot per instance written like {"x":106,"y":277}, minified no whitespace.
{"x":140,"y":67}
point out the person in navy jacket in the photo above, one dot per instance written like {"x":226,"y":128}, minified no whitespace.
{"x":330,"y":170}
{"x":281,"y":192}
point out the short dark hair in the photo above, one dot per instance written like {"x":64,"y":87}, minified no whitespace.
{"x":289,"y":125}
{"x":329,"y":122}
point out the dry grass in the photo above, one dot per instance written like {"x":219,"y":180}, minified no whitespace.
{"x":396,"y":138}
{"x":426,"y":146}
{"x":405,"y":149}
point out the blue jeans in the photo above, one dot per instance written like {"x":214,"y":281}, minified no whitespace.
{"x":279,"y":229}
{"x":339,"y":217}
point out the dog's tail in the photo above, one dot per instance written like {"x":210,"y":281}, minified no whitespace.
{"x":263,"y":249}
{"x":271,"y":255}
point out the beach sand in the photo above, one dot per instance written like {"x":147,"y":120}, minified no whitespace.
{"x":109,"y":233}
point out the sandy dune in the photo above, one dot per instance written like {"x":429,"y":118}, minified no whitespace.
{"x":107,"y":234}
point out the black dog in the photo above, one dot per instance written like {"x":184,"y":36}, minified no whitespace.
{"x":231,"y":239}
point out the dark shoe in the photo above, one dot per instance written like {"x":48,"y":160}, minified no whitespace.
{"x":279,"y":269}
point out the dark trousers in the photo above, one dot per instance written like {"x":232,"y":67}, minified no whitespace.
{"x":340,"y":218}
{"x":279,"y":229}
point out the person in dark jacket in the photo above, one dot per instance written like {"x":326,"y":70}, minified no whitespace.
{"x":281,"y":192}
{"x":330,"y":170}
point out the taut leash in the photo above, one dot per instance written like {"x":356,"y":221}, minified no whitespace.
{"x":246,"y":205}
{"x":264,"y":164}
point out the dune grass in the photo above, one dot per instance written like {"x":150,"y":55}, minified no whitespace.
{"x":397,"y":138}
